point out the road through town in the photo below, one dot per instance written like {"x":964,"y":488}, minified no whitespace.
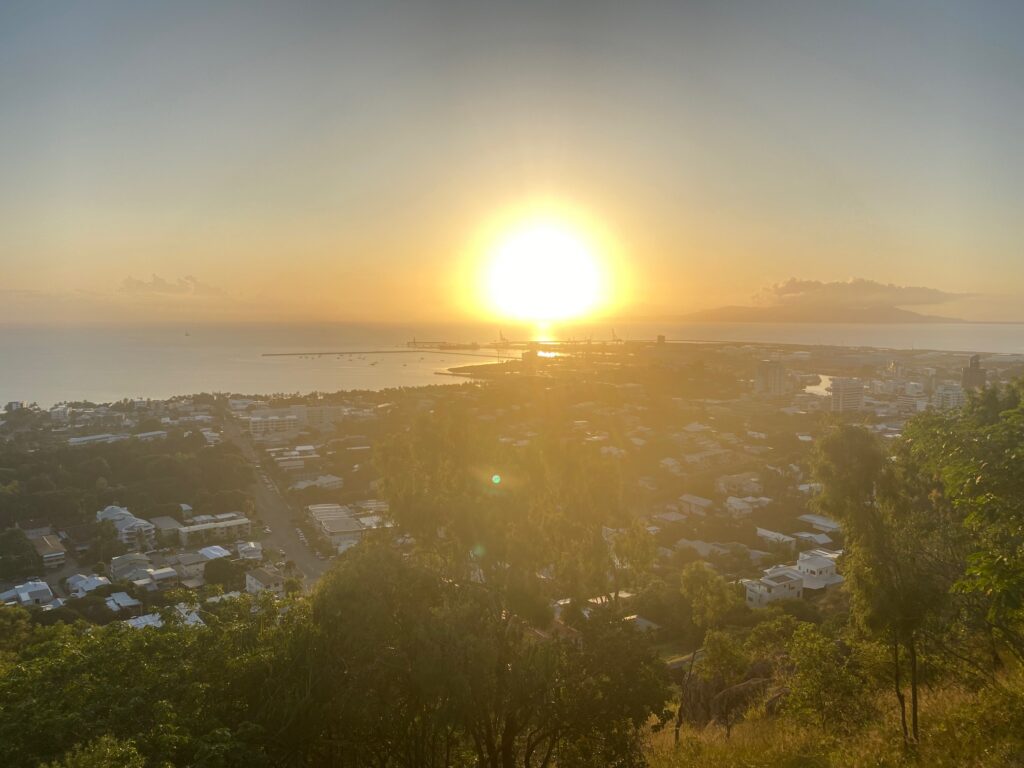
{"x":275,"y":511}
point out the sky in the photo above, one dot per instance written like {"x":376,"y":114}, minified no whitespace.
{"x":283,"y":162}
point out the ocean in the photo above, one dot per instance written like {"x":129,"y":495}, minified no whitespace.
{"x":50,"y":365}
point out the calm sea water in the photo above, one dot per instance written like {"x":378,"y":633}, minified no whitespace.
{"x":49,"y":365}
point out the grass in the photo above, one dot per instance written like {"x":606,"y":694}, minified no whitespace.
{"x":959,"y":729}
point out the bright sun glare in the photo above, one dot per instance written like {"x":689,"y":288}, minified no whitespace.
{"x":543,"y":271}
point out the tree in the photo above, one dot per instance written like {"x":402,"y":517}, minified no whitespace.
{"x":105,"y":544}
{"x":15,"y":628}
{"x":824,"y":687}
{"x":224,"y":572}
{"x":104,"y":752}
{"x":18,"y":557}
{"x":976,"y":453}
{"x":894,"y":525}
{"x":710,"y":599}
{"x":724,"y":661}
{"x":436,"y":673}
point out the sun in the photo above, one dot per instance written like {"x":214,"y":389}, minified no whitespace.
{"x":544,"y":270}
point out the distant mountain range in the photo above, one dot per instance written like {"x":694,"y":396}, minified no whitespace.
{"x":815,"y":314}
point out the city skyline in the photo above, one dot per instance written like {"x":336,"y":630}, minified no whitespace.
{"x":237,"y":163}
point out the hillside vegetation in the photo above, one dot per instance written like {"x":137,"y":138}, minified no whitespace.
{"x":435,"y":644}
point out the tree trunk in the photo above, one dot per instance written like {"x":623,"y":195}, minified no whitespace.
{"x":912,"y":651}
{"x":686,"y":685}
{"x":898,"y":685}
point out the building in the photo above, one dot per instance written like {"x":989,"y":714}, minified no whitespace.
{"x":166,"y":529}
{"x":249,"y":550}
{"x":279,"y":423}
{"x":126,"y":567}
{"x":133,"y":532}
{"x":948,"y":396}
{"x":847,"y":395}
{"x":293,"y":459}
{"x":818,"y":569}
{"x":214,"y":552}
{"x":271,"y":427}
{"x":157,"y":579}
{"x":737,"y":507}
{"x":264,"y":580}
{"x":908,"y":405}
{"x":76,"y":442}
{"x":780,"y":582}
{"x":50,"y":550}
{"x":770,"y":378}
{"x":323,"y":482}
{"x":820,"y":523}
{"x":122,"y":601}
{"x":29,"y":593}
{"x":702,"y":548}
{"x":147,"y":437}
{"x":743,"y":484}
{"x":695,"y":505}
{"x":342,"y":532}
{"x":814,"y":539}
{"x":973,"y":376}
{"x":229,"y":526}
{"x":775,"y":537}
{"x":190,"y":567}
{"x":80,"y":584}
{"x":188,"y":616}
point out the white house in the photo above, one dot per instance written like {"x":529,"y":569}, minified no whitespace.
{"x":818,"y":568}
{"x":814,"y":570}
{"x":80,"y":585}
{"x":132,"y":531}
{"x":29,"y":593}
{"x":264,"y":580}
{"x":780,"y":582}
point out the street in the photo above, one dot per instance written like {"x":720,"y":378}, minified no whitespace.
{"x":274,"y":511}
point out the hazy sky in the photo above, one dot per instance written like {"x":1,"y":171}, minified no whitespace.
{"x":302,"y":161}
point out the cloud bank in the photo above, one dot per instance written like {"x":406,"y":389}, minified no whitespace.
{"x":855,"y":292}
{"x":158,"y":286}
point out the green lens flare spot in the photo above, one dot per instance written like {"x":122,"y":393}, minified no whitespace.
{"x":496,"y":479}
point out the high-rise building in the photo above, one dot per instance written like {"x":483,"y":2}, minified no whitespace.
{"x":847,"y":395}
{"x":948,"y":395}
{"x":770,"y":378}
{"x":973,"y":376}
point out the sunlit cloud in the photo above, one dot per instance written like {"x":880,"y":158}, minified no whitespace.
{"x":158,"y":286}
{"x":855,"y":292}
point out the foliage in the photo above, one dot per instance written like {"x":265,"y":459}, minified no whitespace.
{"x":224,"y":572}
{"x":65,"y":486}
{"x":18,"y":557}
{"x":824,"y":687}
{"x":104,"y":752}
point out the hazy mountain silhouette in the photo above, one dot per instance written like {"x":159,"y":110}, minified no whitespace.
{"x":803,"y":313}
